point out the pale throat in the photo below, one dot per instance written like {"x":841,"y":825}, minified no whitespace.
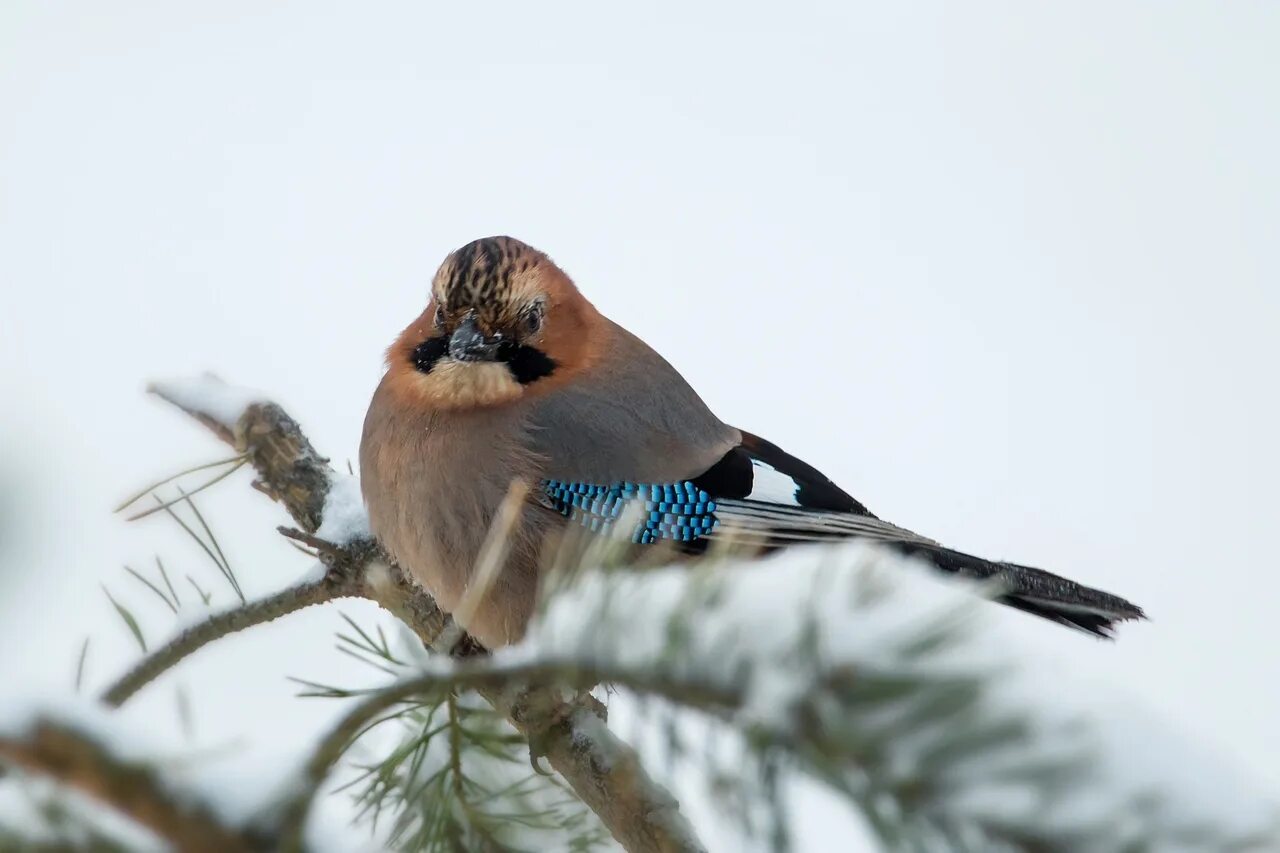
{"x":459,"y":385}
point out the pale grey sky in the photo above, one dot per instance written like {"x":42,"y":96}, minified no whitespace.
{"x":1008,"y":272}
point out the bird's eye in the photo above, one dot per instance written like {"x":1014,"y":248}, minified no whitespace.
{"x":439,"y":316}
{"x":533,"y":319}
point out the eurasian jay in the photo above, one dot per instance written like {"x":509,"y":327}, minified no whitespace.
{"x":511,"y":375}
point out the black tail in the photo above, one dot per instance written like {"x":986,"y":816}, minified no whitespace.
{"x":1035,"y":590}
{"x":769,"y":526}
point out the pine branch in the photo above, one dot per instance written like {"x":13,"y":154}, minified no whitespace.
{"x":515,"y":686}
{"x":79,"y":761}
{"x":218,"y":626}
{"x":872,"y":684}
{"x":602,"y":770}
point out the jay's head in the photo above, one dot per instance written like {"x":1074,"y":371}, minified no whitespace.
{"x":503,"y":321}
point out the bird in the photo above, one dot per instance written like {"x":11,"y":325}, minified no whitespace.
{"x":511,"y":376}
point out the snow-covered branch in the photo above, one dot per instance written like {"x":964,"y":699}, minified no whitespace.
{"x":568,"y":731}
{"x":869,"y":671}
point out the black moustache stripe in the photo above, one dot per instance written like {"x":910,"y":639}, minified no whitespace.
{"x":527,"y":364}
{"x":426,"y":354}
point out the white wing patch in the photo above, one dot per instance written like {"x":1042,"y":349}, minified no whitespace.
{"x":770,"y":485}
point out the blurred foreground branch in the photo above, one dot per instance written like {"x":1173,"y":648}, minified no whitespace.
{"x":78,"y":760}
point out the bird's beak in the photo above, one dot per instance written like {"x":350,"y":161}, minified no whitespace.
{"x":468,"y":343}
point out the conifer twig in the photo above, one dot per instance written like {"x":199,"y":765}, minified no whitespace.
{"x":214,"y":628}
{"x":493,"y":680}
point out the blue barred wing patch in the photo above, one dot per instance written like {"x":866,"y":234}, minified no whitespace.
{"x":679,"y":512}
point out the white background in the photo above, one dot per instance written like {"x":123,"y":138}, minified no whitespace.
{"x":1007,"y":272}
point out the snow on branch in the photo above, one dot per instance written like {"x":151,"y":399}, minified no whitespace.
{"x":345,"y":519}
{"x":867,"y":667}
{"x":208,"y":397}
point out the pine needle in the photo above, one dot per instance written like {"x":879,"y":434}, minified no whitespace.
{"x":185,"y":495}
{"x":151,"y":488}
{"x":315,"y":689}
{"x":84,"y":656}
{"x":173,"y":592}
{"x":380,"y":647}
{"x":226,"y":564}
{"x":204,"y":596}
{"x":366,"y":660}
{"x":208,"y":551}
{"x":129,"y":621}
{"x":186,"y":527}
{"x":149,"y":585}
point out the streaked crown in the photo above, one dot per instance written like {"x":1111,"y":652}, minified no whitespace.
{"x":493,"y":276}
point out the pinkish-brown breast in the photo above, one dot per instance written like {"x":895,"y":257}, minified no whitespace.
{"x":433,"y":482}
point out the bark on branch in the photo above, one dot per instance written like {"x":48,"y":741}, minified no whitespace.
{"x":603,"y":770}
